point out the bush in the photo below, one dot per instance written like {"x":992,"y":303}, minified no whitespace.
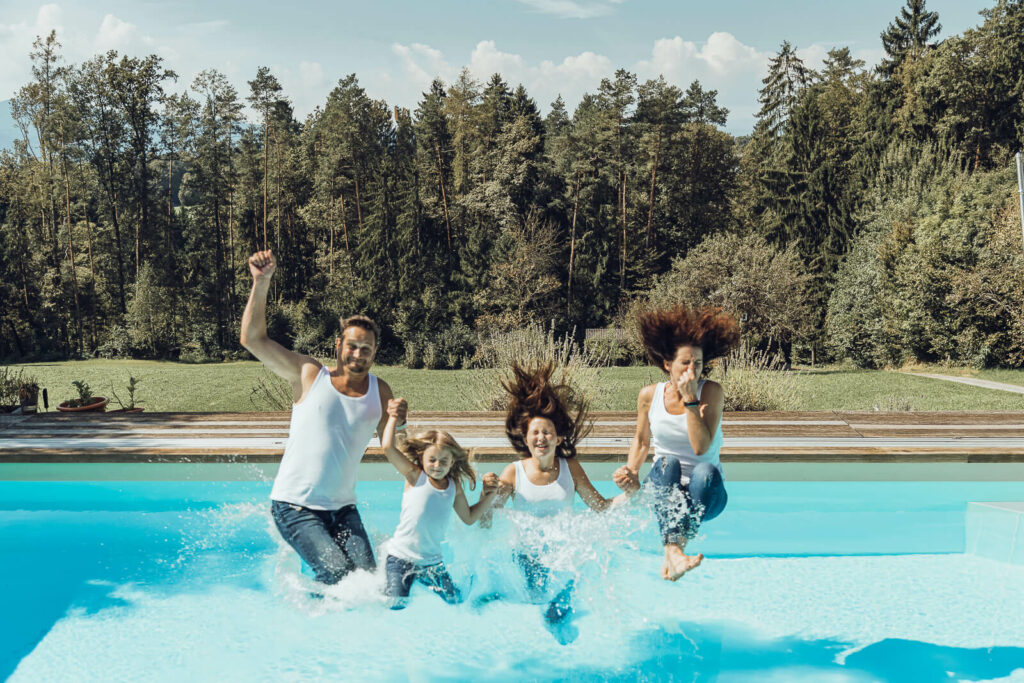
{"x":117,"y":343}
{"x":767,"y":289}
{"x":270,"y":392}
{"x":936,"y":277}
{"x":14,"y":386}
{"x":755,"y":380}
{"x":579,"y":367}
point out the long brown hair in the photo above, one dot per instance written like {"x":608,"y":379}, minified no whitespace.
{"x":462,"y":469}
{"x":533,"y":393}
{"x":664,"y":330}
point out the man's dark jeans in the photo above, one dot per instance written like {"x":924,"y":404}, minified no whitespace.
{"x":332,"y":542}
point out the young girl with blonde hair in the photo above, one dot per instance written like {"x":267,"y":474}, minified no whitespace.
{"x":436,"y":469}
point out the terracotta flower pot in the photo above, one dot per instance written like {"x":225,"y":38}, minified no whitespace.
{"x":99,"y":403}
{"x":127,"y":410}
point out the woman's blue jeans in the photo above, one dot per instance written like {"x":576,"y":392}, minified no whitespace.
{"x":681,"y":508}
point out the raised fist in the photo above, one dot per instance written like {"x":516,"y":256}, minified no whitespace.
{"x":262,"y":265}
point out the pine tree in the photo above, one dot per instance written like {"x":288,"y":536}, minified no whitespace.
{"x":908,"y":35}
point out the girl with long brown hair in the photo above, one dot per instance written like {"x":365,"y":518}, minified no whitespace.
{"x":682,"y":419}
{"x":545,"y":421}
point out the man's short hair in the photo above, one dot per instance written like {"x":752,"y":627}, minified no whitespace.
{"x":361,"y":321}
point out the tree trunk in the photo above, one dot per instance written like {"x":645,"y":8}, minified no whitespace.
{"x":622,"y":259}
{"x":344,"y":224}
{"x":650,"y":208}
{"x":572,"y":240}
{"x":266,"y":166}
{"x":444,"y":197}
{"x":71,"y":241}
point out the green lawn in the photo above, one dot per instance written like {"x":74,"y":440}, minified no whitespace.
{"x":166,"y":386}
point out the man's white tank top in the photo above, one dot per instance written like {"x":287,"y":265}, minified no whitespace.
{"x":426,"y":512}
{"x":670,"y":436}
{"x":328,"y":435}
{"x":546,"y":499}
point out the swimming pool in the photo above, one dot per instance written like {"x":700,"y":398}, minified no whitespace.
{"x":172,"y":580}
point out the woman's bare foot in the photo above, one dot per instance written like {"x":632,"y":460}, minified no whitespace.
{"x":677,"y":562}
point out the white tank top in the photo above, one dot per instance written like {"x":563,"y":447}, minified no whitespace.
{"x":546,"y":499}
{"x":670,"y":436}
{"x":327,"y":437}
{"x":423,"y":523}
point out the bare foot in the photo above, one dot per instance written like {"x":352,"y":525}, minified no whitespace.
{"x":678,"y":563}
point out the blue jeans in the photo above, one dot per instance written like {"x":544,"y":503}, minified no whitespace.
{"x":537,"y":577}
{"x":332,"y":542}
{"x":681,"y":514}
{"x":401,"y":573}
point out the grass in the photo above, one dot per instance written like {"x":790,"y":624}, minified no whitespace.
{"x":225,"y":387}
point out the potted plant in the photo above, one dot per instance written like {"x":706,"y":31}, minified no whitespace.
{"x":131,"y":405}
{"x":28,"y":396}
{"x":18,"y":392}
{"x":85,"y":401}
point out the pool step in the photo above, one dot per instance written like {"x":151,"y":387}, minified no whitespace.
{"x":996,"y":531}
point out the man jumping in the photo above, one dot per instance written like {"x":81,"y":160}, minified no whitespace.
{"x":334,"y":415}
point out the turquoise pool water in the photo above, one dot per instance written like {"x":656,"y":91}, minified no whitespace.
{"x":816,"y":581}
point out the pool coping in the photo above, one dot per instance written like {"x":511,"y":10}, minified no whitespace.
{"x":827,"y":437}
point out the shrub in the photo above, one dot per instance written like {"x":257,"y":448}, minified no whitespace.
{"x":579,"y":367}
{"x":767,"y":289}
{"x":270,"y":392}
{"x":14,"y":384}
{"x":755,"y":380}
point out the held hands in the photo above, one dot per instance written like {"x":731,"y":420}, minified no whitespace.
{"x":626,"y":479}
{"x":491,"y":484}
{"x":398,"y":409}
{"x":687,"y":386}
{"x":262,"y":265}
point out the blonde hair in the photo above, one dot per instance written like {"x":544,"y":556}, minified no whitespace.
{"x":462,"y":469}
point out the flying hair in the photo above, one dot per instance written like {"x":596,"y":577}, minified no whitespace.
{"x":533,"y":393}
{"x":664,"y":330}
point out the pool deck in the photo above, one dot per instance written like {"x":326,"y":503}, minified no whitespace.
{"x":776,"y":437}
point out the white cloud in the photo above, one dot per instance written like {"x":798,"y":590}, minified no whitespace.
{"x":16,"y":42}
{"x":423,"y":63}
{"x":487,"y":59}
{"x":128,"y":39}
{"x":573,"y":9}
{"x":311,"y":74}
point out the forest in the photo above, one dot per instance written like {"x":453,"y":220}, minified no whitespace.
{"x":871,"y":215}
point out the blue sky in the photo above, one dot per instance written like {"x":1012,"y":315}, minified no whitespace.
{"x":396,"y":48}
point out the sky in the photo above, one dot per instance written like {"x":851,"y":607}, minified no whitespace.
{"x":553,"y":47}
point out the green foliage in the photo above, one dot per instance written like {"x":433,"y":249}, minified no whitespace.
{"x":17,"y":388}
{"x":126,"y":223}
{"x":766,"y":288}
{"x":935,"y":278}
{"x":130,"y":389}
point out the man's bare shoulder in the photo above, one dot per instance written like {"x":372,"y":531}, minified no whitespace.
{"x":384,"y":389}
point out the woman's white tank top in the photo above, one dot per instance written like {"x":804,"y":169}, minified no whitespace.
{"x":327,"y":437}
{"x":670,"y":436}
{"x":546,"y":499}
{"x":426,"y":512}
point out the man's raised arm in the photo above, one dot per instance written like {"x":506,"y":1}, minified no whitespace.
{"x":281,"y":361}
